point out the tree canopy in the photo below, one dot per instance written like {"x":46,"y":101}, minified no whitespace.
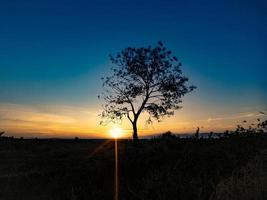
{"x":146,"y":79}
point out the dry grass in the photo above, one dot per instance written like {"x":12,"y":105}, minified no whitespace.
{"x":247,"y":183}
{"x":158,"y":169}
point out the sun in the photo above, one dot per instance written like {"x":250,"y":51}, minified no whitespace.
{"x":115,"y":132}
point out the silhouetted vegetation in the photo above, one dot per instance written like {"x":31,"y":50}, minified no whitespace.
{"x":146,"y":79}
{"x":166,"y":167}
{"x":245,"y":183}
{"x":168,"y":135}
{"x":2,"y":133}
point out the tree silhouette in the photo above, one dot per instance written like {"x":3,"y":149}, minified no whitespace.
{"x":2,"y":133}
{"x":145,"y":79}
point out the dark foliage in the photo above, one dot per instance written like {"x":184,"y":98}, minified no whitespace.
{"x":250,"y":130}
{"x":167,"y":167}
{"x":146,"y":79}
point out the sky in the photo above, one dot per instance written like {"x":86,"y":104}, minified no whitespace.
{"x":54,"y":53}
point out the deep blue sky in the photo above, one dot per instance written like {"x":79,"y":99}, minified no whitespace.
{"x":55,"y":52}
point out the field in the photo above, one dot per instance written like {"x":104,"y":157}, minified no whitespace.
{"x":158,"y":169}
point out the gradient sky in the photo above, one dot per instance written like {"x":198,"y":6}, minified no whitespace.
{"x":53,"y":54}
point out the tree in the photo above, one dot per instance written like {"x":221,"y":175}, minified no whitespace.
{"x":146,"y":79}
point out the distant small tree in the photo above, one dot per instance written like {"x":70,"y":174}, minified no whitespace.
{"x":168,"y":135}
{"x":210,"y":135}
{"x":2,"y":133}
{"x":146,"y":79}
{"x":196,"y":136}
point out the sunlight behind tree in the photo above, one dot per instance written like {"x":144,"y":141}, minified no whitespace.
{"x":116,"y":132}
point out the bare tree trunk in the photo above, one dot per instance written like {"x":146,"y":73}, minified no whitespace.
{"x":135,"y":135}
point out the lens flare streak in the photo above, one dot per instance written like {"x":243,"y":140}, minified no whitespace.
{"x":116,"y":174}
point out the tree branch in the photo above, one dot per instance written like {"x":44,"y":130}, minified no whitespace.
{"x":128,"y":116}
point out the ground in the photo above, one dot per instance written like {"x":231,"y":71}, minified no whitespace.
{"x":163,"y":168}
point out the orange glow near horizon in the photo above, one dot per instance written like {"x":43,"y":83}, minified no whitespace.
{"x":62,"y":121}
